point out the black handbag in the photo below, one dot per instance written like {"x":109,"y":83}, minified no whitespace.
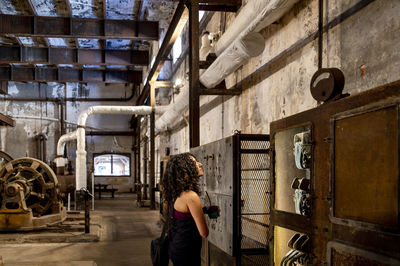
{"x":159,"y":246}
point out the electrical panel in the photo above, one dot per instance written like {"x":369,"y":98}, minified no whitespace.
{"x":236,"y":179}
{"x":335,"y":182}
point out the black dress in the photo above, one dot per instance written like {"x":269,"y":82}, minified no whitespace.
{"x":184,"y":240}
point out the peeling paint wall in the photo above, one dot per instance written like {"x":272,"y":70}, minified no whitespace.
{"x":33,"y":118}
{"x":364,"y":47}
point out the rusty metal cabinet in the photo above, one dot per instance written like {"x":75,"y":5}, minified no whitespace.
{"x":353,"y":181}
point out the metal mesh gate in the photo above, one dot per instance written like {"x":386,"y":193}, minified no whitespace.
{"x":254,"y":200}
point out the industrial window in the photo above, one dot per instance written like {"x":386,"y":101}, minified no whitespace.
{"x":112,"y":164}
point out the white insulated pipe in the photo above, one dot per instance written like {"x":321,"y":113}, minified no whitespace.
{"x":241,"y":22}
{"x":242,"y":40}
{"x":254,"y":16}
{"x":81,"y":181}
{"x":60,"y":161}
{"x":239,"y":42}
{"x":239,"y":51}
{"x":170,"y":117}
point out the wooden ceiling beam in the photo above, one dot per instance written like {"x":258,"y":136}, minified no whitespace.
{"x":67,"y":27}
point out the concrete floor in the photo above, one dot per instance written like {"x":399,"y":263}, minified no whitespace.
{"x":125,"y":235}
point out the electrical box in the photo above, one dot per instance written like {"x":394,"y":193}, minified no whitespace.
{"x":236,"y":178}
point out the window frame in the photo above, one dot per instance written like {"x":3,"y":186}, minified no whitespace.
{"x":112,"y":153}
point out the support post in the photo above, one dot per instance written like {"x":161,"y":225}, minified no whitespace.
{"x":152,"y":148}
{"x":194,"y":105}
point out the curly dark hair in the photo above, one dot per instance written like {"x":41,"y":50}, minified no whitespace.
{"x":180,"y":175}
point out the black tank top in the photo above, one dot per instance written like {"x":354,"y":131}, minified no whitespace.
{"x":184,"y":242}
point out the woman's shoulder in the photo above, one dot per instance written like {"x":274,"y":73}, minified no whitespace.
{"x":189,"y":194}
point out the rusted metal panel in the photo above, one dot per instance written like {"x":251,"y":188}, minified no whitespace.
{"x":3,"y":87}
{"x":140,"y":58}
{"x":16,"y":24}
{"x":116,"y":76}
{"x":69,"y":75}
{"x":9,"y":53}
{"x":365,"y":166}
{"x":52,"y":26}
{"x":123,"y":76}
{"x":46,"y":74}
{"x":321,"y":227}
{"x":23,"y":73}
{"x":147,"y":30}
{"x":118,"y":57}
{"x":62,"y":55}
{"x":291,"y":221}
{"x":342,"y":254}
{"x":115,"y":29}
{"x":31,"y":54}
{"x":78,"y":27}
{"x":93,"y":75}
{"x":5,"y":73}
{"x":82,"y":27}
{"x":90,"y":56}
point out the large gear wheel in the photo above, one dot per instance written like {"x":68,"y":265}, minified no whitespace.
{"x":36,"y":181}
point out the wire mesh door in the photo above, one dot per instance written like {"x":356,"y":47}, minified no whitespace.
{"x":254,"y":207}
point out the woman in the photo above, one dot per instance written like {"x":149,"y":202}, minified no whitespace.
{"x":180,"y":190}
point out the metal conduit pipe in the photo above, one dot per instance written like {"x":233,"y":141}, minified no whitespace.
{"x":242,"y":40}
{"x":81,"y":181}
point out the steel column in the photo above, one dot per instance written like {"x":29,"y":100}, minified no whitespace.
{"x":152,"y":148}
{"x":194,"y":101}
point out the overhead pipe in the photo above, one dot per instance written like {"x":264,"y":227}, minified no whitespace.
{"x":83,"y":116}
{"x":60,"y":160}
{"x":170,"y":117}
{"x":242,"y":40}
{"x":241,"y":22}
{"x":251,"y":19}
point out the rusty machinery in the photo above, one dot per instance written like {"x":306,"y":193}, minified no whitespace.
{"x":29,"y":196}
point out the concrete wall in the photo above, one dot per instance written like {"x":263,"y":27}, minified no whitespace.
{"x":33,"y":118}
{"x":363,"y":46}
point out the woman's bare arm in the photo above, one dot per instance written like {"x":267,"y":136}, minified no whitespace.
{"x":194,"y":204}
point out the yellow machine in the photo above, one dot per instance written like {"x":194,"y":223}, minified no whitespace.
{"x":29,"y":196}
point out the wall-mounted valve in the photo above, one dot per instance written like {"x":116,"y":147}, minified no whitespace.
{"x":302,"y":149}
{"x":298,"y":253}
{"x":302,"y":197}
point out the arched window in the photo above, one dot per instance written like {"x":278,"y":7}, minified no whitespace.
{"x":112,"y":164}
